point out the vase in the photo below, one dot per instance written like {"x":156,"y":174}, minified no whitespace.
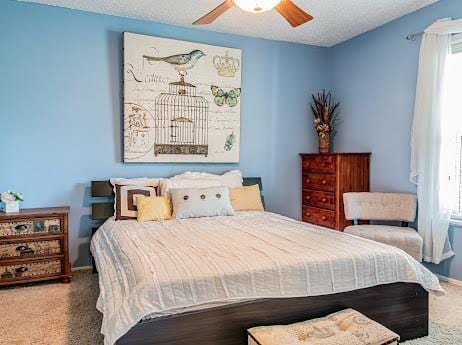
{"x":11,"y":207}
{"x":324,"y":143}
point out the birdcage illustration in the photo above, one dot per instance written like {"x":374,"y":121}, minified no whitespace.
{"x":181,"y":121}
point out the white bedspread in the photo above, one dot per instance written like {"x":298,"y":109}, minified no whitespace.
{"x":171,"y":266}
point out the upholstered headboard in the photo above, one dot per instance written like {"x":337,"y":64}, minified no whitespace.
{"x":102,"y":197}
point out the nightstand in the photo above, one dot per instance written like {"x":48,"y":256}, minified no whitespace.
{"x":34,"y":246}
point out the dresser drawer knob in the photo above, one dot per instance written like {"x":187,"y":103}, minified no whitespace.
{"x":308,"y":214}
{"x":308,"y":197}
{"x":20,"y":228}
{"x":324,"y":164}
{"x":323,"y":199}
{"x":53,"y":228}
{"x":24,"y":250}
{"x":308,"y":180}
{"x":323,"y":218}
{"x":21,"y":269}
{"x":324,"y":181}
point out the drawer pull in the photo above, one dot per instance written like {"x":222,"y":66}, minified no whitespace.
{"x":21,"y":269}
{"x":53,"y":228}
{"x":20,"y":227}
{"x":323,"y":199}
{"x":323,"y":218}
{"x":324,"y":181}
{"x":308,"y":214}
{"x":308,"y":197}
{"x":324,"y":164}
{"x":308,"y":180}
{"x":6,"y":275}
{"x":25,"y":250}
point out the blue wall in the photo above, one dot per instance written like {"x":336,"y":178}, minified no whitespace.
{"x":60,"y":116}
{"x":375,"y":76}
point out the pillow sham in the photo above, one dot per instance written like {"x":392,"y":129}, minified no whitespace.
{"x":246,"y":198}
{"x":201,"y":202}
{"x":153,"y":208}
{"x":139,"y":181}
{"x":126,"y":200}
{"x":173,"y":183}
{"x":232,"y":178}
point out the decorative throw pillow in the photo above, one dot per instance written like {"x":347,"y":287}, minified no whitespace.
{"x":126,"y":200}
{"x":246,"y":198}
{"x":153,"y":208}
{"x":125,"y":203}
{"x":201,"y":202}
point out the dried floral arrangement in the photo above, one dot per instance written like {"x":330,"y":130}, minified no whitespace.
{"x":325,"y":112}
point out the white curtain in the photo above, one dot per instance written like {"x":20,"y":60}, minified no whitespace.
{"x":432,"y":143}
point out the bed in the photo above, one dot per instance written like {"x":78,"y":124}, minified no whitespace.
{"x":206,"y":280}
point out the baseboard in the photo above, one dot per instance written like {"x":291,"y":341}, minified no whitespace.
{"x":450,"y":280}
{"x":81,"y":268}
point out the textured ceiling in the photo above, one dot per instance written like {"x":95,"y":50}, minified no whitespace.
{"x":335,"y":20}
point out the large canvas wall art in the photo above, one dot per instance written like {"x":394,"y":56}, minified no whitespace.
{"x":181,"y":101}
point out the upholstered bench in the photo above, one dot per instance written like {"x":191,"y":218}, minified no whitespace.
{"x":347,"y":327}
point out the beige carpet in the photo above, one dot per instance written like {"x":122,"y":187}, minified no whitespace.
{"x":65,"y":314}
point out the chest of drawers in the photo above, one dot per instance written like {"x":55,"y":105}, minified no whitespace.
{"x":325,"y":178}
{"x":34,"y":246}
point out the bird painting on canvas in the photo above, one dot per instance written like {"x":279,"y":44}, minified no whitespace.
{"x":180,"y":62}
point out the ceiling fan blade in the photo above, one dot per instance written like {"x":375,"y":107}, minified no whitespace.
{"x":292,"y":13}
{"x":215,"y":13}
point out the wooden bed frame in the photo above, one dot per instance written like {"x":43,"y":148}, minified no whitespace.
{"x":402,"y":307}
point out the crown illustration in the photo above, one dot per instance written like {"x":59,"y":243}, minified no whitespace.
{"x":226,"y":66}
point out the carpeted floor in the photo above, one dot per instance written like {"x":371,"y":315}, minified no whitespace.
{"x":65,"y":314}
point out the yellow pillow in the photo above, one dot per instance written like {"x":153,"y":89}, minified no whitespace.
{"x":246,"y":198}
{"x":153,"y":208}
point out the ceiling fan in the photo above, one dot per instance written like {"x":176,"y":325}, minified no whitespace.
{"x":286,"y":8}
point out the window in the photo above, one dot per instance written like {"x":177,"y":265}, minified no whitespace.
{"x":454,"y":106}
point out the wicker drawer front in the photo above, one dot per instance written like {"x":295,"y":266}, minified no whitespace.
{"x":29,"y":249}
{"x":316,"y":181}
{"x":319,"y":164}
{"x":319,"y":199}
{"x":30,"y":270}
{"x":319,"y":216}
{"x":39,"y":226}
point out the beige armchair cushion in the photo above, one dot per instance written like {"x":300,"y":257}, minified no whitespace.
{"x":407,"y":239}
{"x":380,"y":206}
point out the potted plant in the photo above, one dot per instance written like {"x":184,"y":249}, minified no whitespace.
{"x":11,"y":201}
{"x":325,"y":112}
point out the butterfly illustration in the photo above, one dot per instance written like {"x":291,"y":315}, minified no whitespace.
{"x":230,"y":97}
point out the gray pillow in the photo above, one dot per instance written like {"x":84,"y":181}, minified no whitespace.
{"x":201,"y":202}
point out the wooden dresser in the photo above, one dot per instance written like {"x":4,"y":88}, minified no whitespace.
{"x":34,"y":246}
{"x":325,"y":177}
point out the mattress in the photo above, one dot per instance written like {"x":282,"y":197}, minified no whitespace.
{"x":151,"y":269}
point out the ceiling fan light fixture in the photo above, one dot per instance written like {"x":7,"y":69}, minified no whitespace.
{"x":256,"y":6}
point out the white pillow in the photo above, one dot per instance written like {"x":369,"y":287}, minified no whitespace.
{"x":140,"y":181}
{"x":171,"y":183}
{"x":231,"y":179}
{"x":201,"y":202}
